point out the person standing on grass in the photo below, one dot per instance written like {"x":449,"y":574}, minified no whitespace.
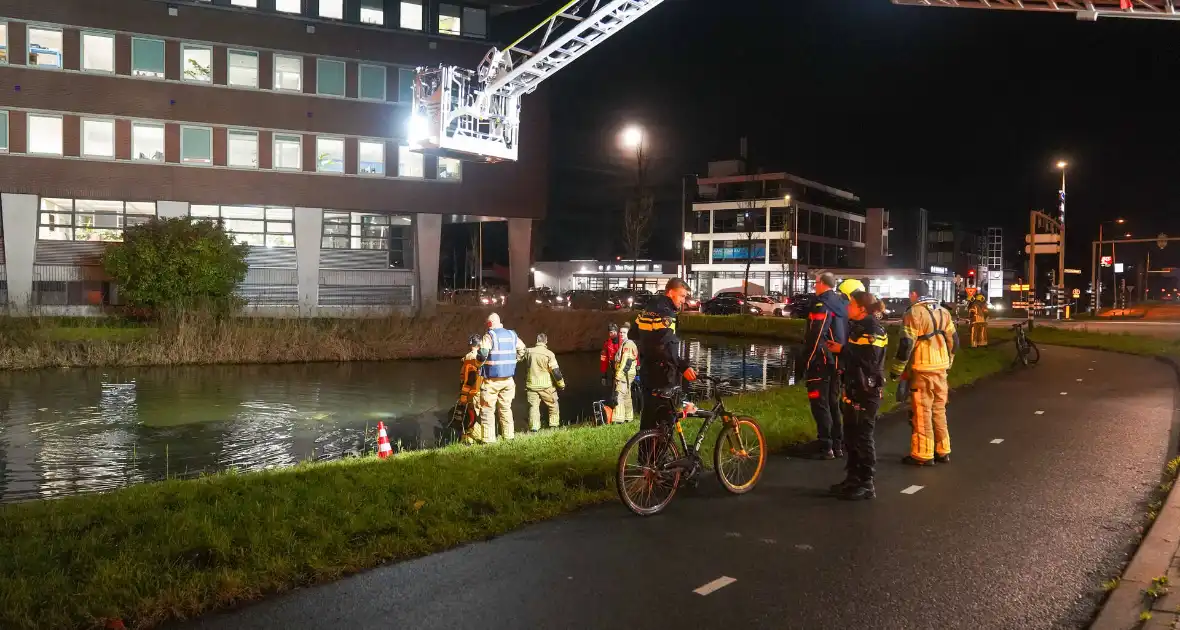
{"x":544,"y":381}
{"x":499,"y":350}
{"x":827,"y":321}
{"x":626,"y":364}
{"x":469,"y":391}
{"x":863,"y":360}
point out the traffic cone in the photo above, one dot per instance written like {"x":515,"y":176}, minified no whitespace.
{"x":383,"y":448}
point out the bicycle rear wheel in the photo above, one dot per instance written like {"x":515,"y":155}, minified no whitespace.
{"x":645,"y":487}
{"x":740,"y":455}
{"x":1032,"y":354}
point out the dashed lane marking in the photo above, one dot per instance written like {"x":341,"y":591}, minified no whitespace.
{"x":1089,"y":369}
{"x":1040,"y":412}
{"x":1079,"y":380}
{"x":1064,"y":393}
{"x":912,"y":489}
{"x":998,"y":441}
{"x":715,"y":585}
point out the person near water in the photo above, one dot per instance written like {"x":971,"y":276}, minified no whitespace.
{"x":827,"y":321}
{"x":626,"y":365}
{"x":542,"y":384}
{"x":500,"y":350}
{"x":470,"y":382}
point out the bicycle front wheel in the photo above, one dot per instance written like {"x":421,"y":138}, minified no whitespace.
{"x":1032,"y":354}
{"x":740,"y":455}
{"x":645,"y":486}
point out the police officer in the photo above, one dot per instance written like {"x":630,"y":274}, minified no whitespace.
{"x":543,"y":382}
{"x":624,"y":375}
{"x":500,"y":350}
{"x":660,"y":364}
{"x":827,"y":321}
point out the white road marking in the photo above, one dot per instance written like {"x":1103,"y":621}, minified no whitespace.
{"x":912,"y":489}
{"x":1079,"y":380}
{"x":998,"y":441}
{"x":717,"y":584}
{"x":1040,"y":412}
{"x":733,"y":534}
{"x":804,"y":547}
{"x":1064,"y":393}
{"x":1089,"y":369}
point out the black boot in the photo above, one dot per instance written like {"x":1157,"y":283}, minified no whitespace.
{"x":849,"y":483}
{"x":943,"y":459}
{"x":916,"y":462}
{"x":860,"y":492}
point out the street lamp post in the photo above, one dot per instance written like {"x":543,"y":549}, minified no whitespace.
{"x":794,"y":245}
{"x":634,"y":138}
{"x":1061,"y":254}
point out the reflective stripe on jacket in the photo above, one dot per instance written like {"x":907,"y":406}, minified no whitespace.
{"x":928,"y":337}
{"x":626,"y":362}
{"x":501,"y":361}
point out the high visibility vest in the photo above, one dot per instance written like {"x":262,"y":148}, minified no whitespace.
{"x":501,"y":361}
{"x":471,"y":380}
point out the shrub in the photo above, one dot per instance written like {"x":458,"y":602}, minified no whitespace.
{"x":168,"y":265}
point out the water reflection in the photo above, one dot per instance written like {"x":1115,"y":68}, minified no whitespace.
{"x":71,"y":431}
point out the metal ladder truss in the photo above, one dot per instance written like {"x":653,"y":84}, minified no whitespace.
{"x":475,"y":114}
{"x":1084,"y":9}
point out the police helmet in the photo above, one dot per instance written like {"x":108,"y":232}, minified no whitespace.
{"x":851,"y":287}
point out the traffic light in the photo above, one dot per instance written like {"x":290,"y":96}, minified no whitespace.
{"x":970,"y":273}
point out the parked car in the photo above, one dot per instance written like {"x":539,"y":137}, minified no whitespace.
{"x":691,"y":304}
{"x":729,"y":305}
{"x":544,"y":296}
{"x":895,"y":308}
{"x":766,"y":305}
{"x":590,"y":300}
{"x":801,"y":305}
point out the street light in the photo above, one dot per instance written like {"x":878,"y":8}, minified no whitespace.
{"x":633,"y":137}
{"x":1061,"y":164}
{"x":794,"y":245}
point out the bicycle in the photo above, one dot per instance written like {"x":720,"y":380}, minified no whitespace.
{"x":1027,"y":352}
{"x":661,"y":465}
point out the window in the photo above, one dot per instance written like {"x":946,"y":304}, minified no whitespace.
{"x":475,"y":22}
{"x":289,"y":73}
{"x":409,"y":163}
{"x":252,"y":225}
{"x":289,"y":6}
{"x":288,"y":152}
{"x":357,"y":230}
{"x":196,"y":145}
{"x":98,"y":52}
{"x":243,"y":68}
{"x":333,"y":9}
{"x":370,"y":157}
{"x":253,"y":4}
{"x":329,"y":155}
{"x":330,"y":77}
{"x":98,"y":138}
{"x":45,"y":134}
{"x":3,"y":132}
{"x":44,"y":47}
{"x":147,"y":57}
{"x":242,"y":149}
{"x":89,"y":219}
{"x":373,"y":12}
{"x":196,"y":63}
{"x":147,"y":142}
{"x":405,"y":85}
{"x":449,"y":20}
{"x":372,"y":83}
{"x":449,"y":168}
{"x":3,"y":43}
{"x":411,"y":15}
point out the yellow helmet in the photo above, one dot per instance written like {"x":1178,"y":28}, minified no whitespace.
{"x":850,"y":286}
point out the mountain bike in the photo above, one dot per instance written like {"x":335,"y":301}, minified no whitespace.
{"x":1027,"y":352}
{"x":653,"y":465}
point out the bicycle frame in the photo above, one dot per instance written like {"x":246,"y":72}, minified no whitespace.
{"x":718,"y":412}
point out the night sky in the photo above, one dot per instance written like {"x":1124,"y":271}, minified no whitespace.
{"x":961,"y":112}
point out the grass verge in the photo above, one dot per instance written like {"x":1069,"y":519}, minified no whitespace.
{"x":780,"y":327}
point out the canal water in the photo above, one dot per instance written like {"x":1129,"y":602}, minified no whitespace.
{"x":66,"y":432}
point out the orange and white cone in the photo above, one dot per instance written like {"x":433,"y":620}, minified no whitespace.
{"x":383,"y":448}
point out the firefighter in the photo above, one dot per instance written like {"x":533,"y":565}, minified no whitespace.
{"x":863,"y":361}
{"x":500,"y":350}
{"x":543,"y":382}
{"x":977,"y":311}
{"x":827,"y":321}
{"x":470,"y":382}
{"x":928,"y":345}
{"x":626,"y":366}
{"x":606,"y":359}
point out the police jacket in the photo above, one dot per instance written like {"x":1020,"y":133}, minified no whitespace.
{"x":863,"y":360}
{"x":660,"y":363}
{"x":827,"y":321}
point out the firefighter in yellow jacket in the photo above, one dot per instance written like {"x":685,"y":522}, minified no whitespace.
{"x":928,"y":345}
{"x":469,"y":386}
{"x":543,"y":382}
{"x":978,"y":313}
{"x":626,"y":366}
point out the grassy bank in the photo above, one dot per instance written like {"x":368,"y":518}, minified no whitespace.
{"x":30,"y":343}
{"x":778,"y":327}
{"x":179,"y":548}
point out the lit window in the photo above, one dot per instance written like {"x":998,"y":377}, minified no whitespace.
{"x":409,"y":163}
{"x":475,"y":22}
{"x":449,"y":22}
{"x":372,"y":83}
{"x":243,"y":68}
{"x":288,"y":73}
{"x":330,"y":155}
{"x":98,"y":52}
{"x":147,"y":57}
{"x":3,"y":132}
{"x":252,"y":225}
{"x":359,"y":230}
{"x":242,"y":149}
{"x":44,"y":48}
{"x":3,"y":43}
{"x":45,"y":134}
{"x":288,"y":152}
{"x":196,"y":145}
{"x":333,"y":9}
{"x":373,"y":12}
{"x":147,"y":142}
{"x":253,"y":4}
{"x":89,"y":219}
{"x":196,"y":63}
{"x":405,"y":84}
{"x":288,"y":6}
{"x":330,"y":77}
{"x":411,"y":15}
{"x":370,"y":157}
{"x":98,"y":138}
{"x":449,"y":168}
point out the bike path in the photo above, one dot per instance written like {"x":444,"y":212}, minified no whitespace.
{"x":1015,"y":534}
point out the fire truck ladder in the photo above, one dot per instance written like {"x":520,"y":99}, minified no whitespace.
{"x":1084,"y":9}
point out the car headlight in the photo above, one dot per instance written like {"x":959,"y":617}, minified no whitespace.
{"x":537,"y":301}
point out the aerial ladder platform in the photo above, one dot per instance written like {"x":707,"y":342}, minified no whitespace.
{"x":1084,"y":9}
{"x":474,"y":115}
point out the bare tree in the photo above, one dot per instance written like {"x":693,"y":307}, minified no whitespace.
{"x":752,"y":197}
{"x":637,"y":214}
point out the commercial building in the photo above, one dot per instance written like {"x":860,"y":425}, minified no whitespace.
{"x":286,"y":119}
{"x":596,"y":275}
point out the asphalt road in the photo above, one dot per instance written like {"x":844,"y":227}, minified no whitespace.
{"x":1015,"y":534}
{"x":1150,"y":328}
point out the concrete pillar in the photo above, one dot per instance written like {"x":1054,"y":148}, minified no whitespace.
{"x":171,"y":209}
{"x":308,"y":235}
{"x":520,"y":235}
{"x":427,"y":245}
{"x":20,"y":244}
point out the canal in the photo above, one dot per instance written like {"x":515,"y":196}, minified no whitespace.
{"x":66,"y":432}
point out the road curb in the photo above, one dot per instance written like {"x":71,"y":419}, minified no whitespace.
{"x":1156,"y":555}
